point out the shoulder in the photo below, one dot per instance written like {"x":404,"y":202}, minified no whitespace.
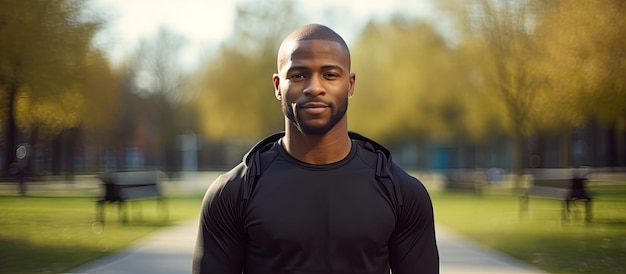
{"x":227,"y":187}
{"x":409,"y":183}
{"x":405,"y":179}
{"x":414,"y":194}
{"x":231,"y":178}
{"x":240,"y":180}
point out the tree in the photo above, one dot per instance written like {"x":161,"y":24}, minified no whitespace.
{"x":585,"y":66}
{"x":506,"y":60}
{"x":427,"y":90}
{"x":41,"y":53}
{"x":236,"y":99}
{"x":160,"y":81}
{"x":102,"y":91}
{"x":401,"y":67}
{"x":157,"y":66}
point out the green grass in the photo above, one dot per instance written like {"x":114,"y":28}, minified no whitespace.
{"x":56,"y":234}
{"x":541,"y":239}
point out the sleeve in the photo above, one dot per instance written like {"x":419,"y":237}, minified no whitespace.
{"x":413,"y":247}
{"x":221,"y":242}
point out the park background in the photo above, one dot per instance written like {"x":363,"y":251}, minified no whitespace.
{"x":505,"y":84}
{"x":464,"y":85}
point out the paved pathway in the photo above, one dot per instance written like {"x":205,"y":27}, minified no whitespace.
{"x":459,"y":255}
{"x":169,"y":251}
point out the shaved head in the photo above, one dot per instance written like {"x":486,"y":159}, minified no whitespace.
{"x":309,"y":32}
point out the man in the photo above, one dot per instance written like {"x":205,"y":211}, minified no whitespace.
{"x":316,"y":198}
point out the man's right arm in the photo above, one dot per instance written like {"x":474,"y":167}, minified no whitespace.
{"x":221,"y":242}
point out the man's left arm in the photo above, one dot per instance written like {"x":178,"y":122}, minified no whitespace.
{"x":413,"y":247}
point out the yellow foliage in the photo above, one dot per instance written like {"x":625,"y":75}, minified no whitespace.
{"x":41,"y":63}
{"x":585,"y":63}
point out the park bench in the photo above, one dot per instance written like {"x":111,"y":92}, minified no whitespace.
{"x":124,"y":187}
{"x":566,"y":185}
{"x":468,"y":179}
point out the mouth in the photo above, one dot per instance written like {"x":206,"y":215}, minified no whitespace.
{"x":314,"y":107}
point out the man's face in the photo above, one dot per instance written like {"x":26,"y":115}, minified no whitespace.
{"x":313,"y":84}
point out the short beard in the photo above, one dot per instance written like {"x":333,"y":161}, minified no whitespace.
{"x":305,"y":129}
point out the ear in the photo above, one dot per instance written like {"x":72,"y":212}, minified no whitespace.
{"x":276,"y":80}
{"x":351,"y":87}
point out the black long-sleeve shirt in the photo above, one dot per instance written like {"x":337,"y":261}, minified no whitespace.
{"x":302,"y":218}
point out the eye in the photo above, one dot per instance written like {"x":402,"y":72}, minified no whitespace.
{"x":330,"y":75}
{"x":295,"y":76}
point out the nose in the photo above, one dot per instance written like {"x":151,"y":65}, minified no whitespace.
{"x":314,"y":87}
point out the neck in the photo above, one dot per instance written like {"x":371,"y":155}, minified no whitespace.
{"x":328,"y":148}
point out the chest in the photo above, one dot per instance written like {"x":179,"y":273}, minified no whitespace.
{"x":295,"y":209}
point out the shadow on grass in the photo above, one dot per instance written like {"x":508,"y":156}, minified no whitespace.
{"x":19,"y":256}
{"x":57,"y":234}
{"x":571,"y":253}
{"x":24,"y":255}
{"x":609,"y":222}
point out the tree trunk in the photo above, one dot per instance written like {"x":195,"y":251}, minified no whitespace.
{"x":518,"y":158}
{"x":11,"y":129}
{"x":613,"y":147}
{"x":564,"y":153}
